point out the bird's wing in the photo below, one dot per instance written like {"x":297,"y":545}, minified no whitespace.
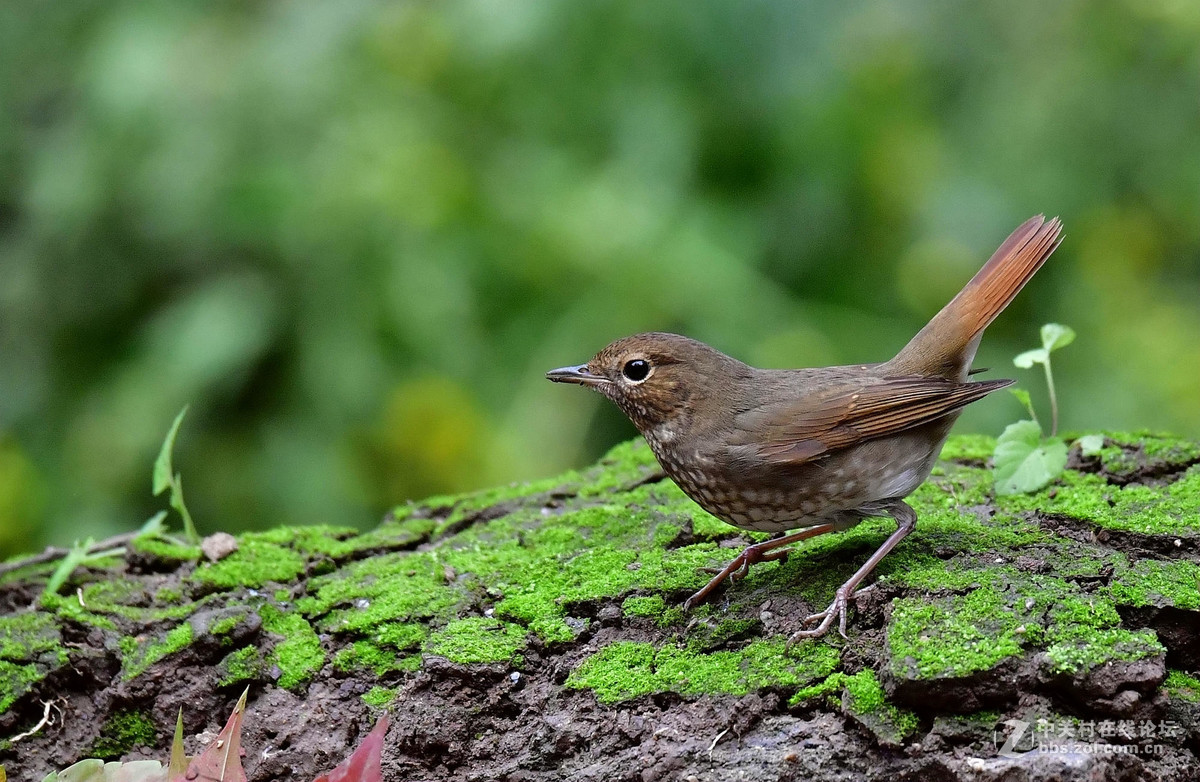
{"x":812,"y":425}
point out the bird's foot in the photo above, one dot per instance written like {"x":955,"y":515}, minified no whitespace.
{"x":741,"y":564}
{"x":765,"y":551}
{"x":837,"y":609}
{"x":736,"y":570}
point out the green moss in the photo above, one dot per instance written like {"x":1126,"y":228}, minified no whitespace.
{"x":972,"y":723}
{"x":380,"y":697}
{"x":224,"y":625}
{"x":26,"y":637}
{"x":454,"y":510}
{"x":67,"y":608}
{"x":399,"y":532}
{"x":535,"y":566}
{"x":386,"y":588}
{"x":708,"y":527}
{"x":928,"y":573}
{"x":866,"y":700}
{"x":1164,"y":447}
{"x":651,"y":606}
{"x":241,"y":665}
{"x":16,"y":680}
{"x":706,"y":635}
{"x":1100,"y":647}
{"x":954,"y":487}
{"x":1152,"y":510}
{"x":138,"y":655}
{"x":532,"y":567}
{"x":626,"y":669}
{"x":623,"y":466}
{"x":1007,"y":614}
{"x":402,"y":636}
{"x":256,"y":562}
{"x":365,"y":655}
{"x":1072,"y":613}
{"x":299,"y":654}
{"x":166,"y":550}
{"x":1183,"y":686}
{"x":968,"y":448}
{"x":123,"y":731}
{"x":478,"y":640}
{"x":1159,"y":583}
{"x":1083,"y":631}
{"x":828,"y":690}
{"x":818,"y":566}
{"x":580,"y":556}
{"x":1119,"y":461}
{"x":949,"y":524}
{"x":337,"y":543}
{"x":168,"y":594}
{"x":1125,"y":453}
{"x":953,"y":636}
{"x":126,"y":599}
{"x":110,"y":595}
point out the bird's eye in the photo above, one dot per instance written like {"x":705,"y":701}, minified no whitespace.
{"x":636,"y":370}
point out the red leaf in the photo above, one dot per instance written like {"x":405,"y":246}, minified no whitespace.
{"x":363,"y":765}
{"x":221,"y":761}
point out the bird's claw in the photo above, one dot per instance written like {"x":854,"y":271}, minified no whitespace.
{"x":838,"y":608}
{"x":766,"y":551}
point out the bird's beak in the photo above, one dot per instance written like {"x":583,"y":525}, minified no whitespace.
{"x":579,"y":375}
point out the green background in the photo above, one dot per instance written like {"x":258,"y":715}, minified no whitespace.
{"x":355,"y":235}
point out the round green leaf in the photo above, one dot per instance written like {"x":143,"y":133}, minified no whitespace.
{"x":1024,"y":462}
{"x":1056,"y":335}
{"x":1030,"y":357}
{"x":1090,"y":444}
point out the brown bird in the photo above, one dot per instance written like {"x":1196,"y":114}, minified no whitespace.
{"x":813,"y":450}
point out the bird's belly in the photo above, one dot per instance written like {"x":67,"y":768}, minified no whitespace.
{"x":772,"y":498}
{"x":746,"y":501}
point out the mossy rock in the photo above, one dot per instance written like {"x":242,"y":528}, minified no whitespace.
{"x":537,"y":627}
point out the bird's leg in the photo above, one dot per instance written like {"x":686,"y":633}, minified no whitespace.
{"x":757,"y":552}
{"x":906,"y":521}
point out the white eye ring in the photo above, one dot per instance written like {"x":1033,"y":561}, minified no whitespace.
{"x":636,"y":370}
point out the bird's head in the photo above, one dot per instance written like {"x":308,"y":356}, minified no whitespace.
{"x":654,"y":377}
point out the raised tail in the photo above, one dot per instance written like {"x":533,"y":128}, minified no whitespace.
{"x":947,"y":344}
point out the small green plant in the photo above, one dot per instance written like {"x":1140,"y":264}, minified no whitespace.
{"x":165,"y":478}
{"x":84,"y":552}
{"x":88,"y":551}
{"x":79,"y":554}
{"x":1026,"y":459}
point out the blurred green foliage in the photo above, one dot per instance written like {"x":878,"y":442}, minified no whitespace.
{"x":354,"y":235}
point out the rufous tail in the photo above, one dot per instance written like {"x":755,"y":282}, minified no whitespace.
{"x":947,"y":344}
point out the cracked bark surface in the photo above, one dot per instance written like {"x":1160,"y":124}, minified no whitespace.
{"x":532,"y":632}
